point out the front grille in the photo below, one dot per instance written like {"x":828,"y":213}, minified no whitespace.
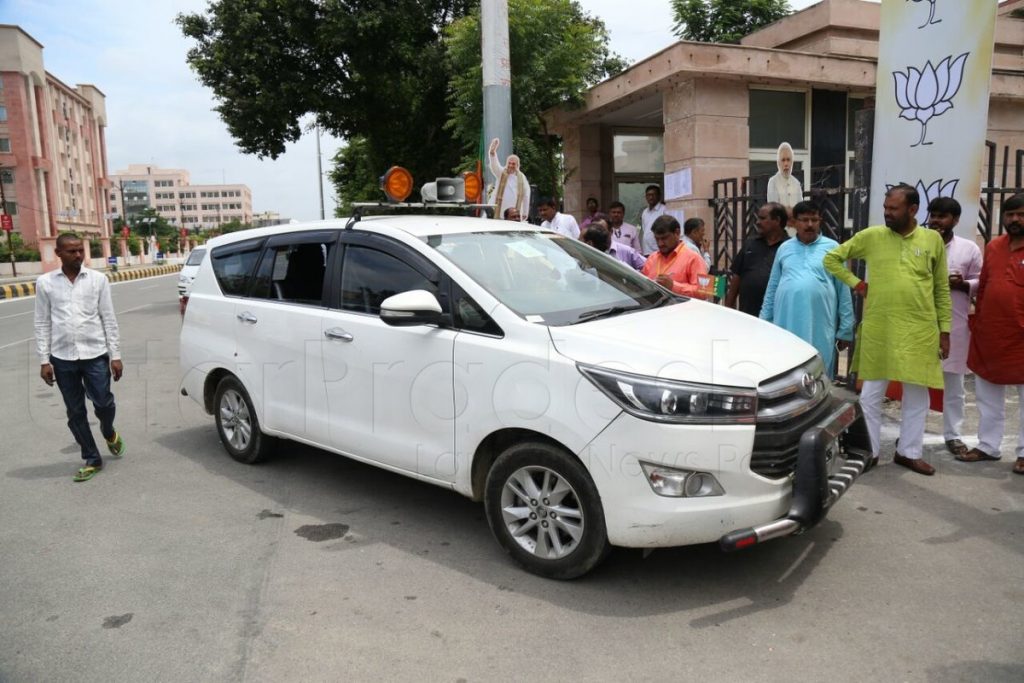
{"x":776,"y":443}
{"x":785,"y":411}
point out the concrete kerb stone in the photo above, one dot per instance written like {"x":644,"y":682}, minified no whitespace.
{"x":23,"y":289}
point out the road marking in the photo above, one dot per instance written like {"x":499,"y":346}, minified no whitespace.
{"x":15,"y":315}
{"x":112,"y":284}
{"x":149,"y":287}
{"x":20,"y":341}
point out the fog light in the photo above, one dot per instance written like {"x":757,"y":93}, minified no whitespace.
{"x":679,"y":483}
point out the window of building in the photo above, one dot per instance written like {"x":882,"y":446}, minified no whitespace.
{"x":12,"y":208}
{"x":7,"y":176}
{"x":3,"y":113}
{"x":5,"y":145}
{"x":639,"y":161}
{"x":777,"y":116}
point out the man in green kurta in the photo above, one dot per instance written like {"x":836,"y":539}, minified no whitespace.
{"x":904,"y":334}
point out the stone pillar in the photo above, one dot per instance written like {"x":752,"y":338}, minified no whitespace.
{"x":87,"y":246}
{"x":125,"y":254}
{"x":48,"y":253}
{"x":105,"y":242}
{"x":581,"y":146}
{"x":706,"y":131}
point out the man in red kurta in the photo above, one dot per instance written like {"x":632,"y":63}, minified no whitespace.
{"x":997,"y":336}
{"x":674,"y":265}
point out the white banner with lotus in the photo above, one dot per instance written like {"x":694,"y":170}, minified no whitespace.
{"x":931,"y":110}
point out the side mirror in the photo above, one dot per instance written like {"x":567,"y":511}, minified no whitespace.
{"x":415,"y":307}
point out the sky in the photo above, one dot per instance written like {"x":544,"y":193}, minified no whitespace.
{"x":158,"y":112}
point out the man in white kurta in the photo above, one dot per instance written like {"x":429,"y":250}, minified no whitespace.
{"x":511,"y":189}
{"x":963,"y":258}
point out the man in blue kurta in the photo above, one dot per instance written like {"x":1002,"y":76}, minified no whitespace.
{"x":802,"y":297}
{"x":904,"y":333}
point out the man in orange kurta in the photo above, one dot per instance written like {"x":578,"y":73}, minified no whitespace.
{"x":674,"y":266}
{"x":996,"y":354}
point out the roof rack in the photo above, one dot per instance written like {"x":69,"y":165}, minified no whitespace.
{"x":360,"y":209}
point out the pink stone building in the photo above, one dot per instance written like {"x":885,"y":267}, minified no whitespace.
{"x":720,"y":111}
{"x":53,"y":157}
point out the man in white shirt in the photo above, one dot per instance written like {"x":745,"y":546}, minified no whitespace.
{"x":694,"y":237}
{"x":79,"y":346}
{"x":648,"y":244}
{"x":511,"y":189}
{"x":561,"y":223}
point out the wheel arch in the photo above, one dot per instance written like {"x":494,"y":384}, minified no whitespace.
{"x":494,"y":444}
{"x":213,"y":378}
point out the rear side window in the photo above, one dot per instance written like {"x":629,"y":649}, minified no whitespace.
{"x":370,"y":276}
{"x":293,"y":273}
{"x":196,"y":257}
{"x":233,"y":266}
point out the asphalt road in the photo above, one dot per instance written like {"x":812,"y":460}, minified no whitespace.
{"x":178,"y":564}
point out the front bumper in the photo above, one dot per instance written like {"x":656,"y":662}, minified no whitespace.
{"x":820,"y":479}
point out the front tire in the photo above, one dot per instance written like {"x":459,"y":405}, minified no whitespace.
{"x":544,"y":509}
{"x":237,"y":424}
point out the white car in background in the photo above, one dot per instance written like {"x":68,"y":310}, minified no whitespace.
{"x":583,"y":404}
{"x":188,"y":272}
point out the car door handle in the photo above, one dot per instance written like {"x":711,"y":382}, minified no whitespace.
{"x":339,"y":334}
{"x":247,"y":317}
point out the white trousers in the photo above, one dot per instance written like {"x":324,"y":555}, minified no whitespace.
{"x":952,"y":405}
{"x":912,"y":416}
{"x":992,"y":415}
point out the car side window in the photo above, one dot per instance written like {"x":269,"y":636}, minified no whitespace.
{"x":233,"y":266}
{"x":468,"y":315}
{"x":293,"y":273}
{"x":368,"y":276}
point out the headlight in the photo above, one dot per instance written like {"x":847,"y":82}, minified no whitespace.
{"x":663,"y":400}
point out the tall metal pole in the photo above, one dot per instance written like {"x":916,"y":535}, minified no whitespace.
{"x":497,"y":75}
{"x":319,"y":172}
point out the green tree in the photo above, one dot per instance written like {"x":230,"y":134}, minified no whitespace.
{"x":356,"y":174}
{"x":557,"y":51}
{"x":372,"y":69}
{"x":724,"y":21}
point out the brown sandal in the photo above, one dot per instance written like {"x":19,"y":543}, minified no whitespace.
{"x":1018,"y":467}
{"x":956,"y":447}
{"x":976,"y":455}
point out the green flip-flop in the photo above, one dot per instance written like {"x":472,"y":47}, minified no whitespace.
{"x":117,"y":447}
{"x":86,"y":473}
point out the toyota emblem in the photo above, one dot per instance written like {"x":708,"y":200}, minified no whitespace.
{"x":809,"y":385}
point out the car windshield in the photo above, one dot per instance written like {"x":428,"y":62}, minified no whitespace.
{"x":548,"y":278}
{"x":196,"y":257}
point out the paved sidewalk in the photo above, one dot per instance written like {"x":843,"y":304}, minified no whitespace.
{"x":12,"y":288}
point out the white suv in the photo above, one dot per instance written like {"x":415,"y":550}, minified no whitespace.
{"x":586,"y":406}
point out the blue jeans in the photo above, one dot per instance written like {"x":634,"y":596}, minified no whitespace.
{"x":76,"y":380}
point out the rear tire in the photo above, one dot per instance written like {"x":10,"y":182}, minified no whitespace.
{"x":237,"y":424}
{"x":545,"y":511}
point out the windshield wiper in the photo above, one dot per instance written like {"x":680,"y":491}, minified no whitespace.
{"x":605,"y":312}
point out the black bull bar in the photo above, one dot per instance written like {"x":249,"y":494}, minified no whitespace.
{"x":815,"y":487}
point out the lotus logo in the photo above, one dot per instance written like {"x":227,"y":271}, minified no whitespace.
{"x":924,"y":93}
{"x":808,"y":385}
{"x":931,"y":14}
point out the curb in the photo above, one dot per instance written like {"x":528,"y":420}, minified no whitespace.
{"x":23,"y":289}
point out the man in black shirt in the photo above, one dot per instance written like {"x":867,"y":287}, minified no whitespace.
{"x":752,"y":266}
